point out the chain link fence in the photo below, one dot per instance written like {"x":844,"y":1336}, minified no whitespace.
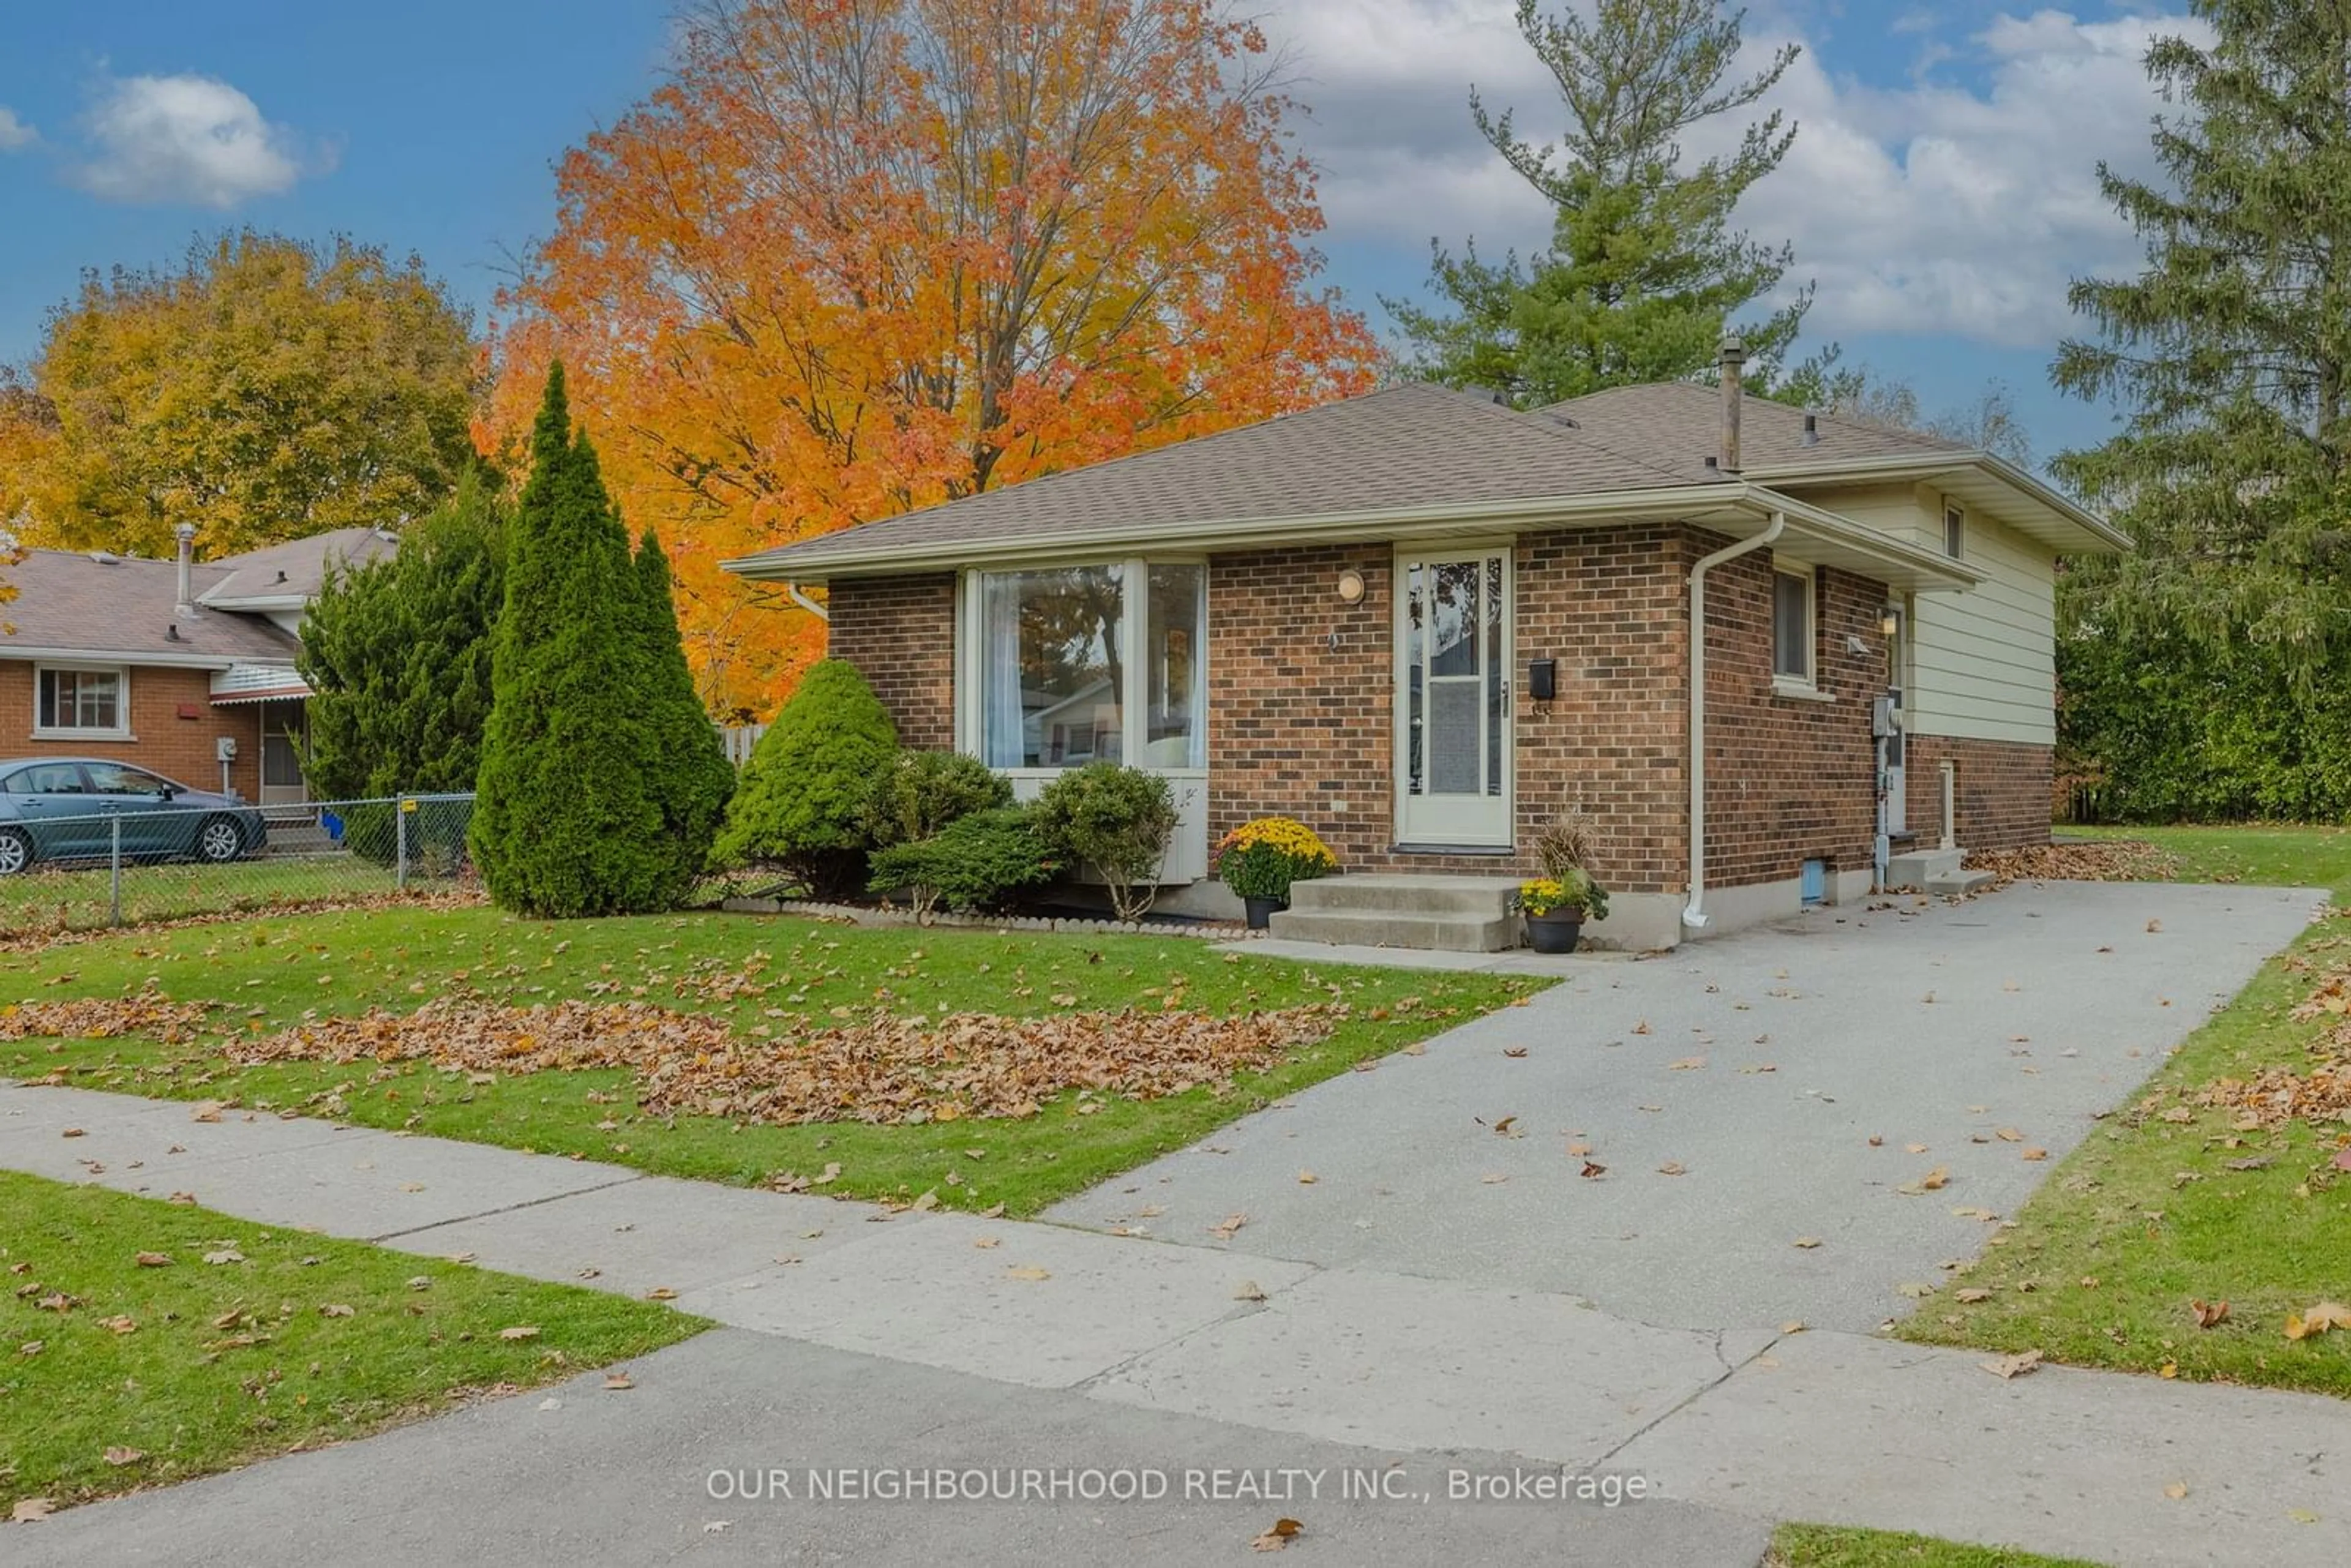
{"x":65,"y":867}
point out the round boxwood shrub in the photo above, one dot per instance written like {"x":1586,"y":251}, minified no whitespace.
{"x":920,"y":793}
{"x":801,"y":803}
{"x":1117,"y":820}
{"x":979,"y":861}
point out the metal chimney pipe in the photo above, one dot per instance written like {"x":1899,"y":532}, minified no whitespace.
{"x":187,"y":532}
{"x":1734,"y":355}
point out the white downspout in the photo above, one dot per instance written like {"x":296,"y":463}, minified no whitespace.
{"x":1694,"y":914}
{"x":792,"y":591}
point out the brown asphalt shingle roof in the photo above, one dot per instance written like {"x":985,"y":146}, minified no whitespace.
{"x":1413,"y":444}
{"x":127,"y":607}
{"x":302,"y":562}
{"x":1681,"y":421}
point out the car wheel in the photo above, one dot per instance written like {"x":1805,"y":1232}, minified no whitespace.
{"x":219,"y":841}
{"x":16,"y":851}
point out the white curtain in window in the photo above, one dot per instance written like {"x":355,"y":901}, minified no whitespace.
{"x":1001,"y":716}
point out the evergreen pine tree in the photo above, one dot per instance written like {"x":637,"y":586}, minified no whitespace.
{"x":2231,"y":349}
{"x":685,"y":768}
{"x":567,"y":822}
{"x":397,"y":654}
{"x":1643,"y":273}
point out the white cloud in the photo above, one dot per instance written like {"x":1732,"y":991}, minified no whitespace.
{"x":191,"y":139}
{"x":14,"y":132}
{"x":1917,"y":205}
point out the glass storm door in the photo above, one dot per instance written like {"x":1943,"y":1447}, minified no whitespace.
{"x":1453,"y":697}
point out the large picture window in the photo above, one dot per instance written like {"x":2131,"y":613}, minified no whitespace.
{"x":80,"y":702}
{"x":1084,"y":663}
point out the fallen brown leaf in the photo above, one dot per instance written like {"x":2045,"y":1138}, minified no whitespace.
{"x":1278,"y":1538}
{"x":2012,"y":1366}
{"x":2209,"y":1314}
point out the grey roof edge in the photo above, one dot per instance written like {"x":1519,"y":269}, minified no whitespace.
{"x":1698,"y":504}
{"x":1925,"y":464}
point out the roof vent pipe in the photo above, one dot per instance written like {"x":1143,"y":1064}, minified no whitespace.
{"x":1734,"y":355}
{"x":187,"y":532}
{"x":1812,"y":430}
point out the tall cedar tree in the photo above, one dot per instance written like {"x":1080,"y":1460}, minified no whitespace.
{"x":570,"y":819}
{"x":691,"y":779}
{"x":850,"y":259}
{"x":397,"y":653}
{"x":1643,"y":273}
{"x":2229,"y":350}
{"x":267,"y":389}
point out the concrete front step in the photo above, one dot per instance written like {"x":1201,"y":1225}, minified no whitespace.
{"x":1957,"y":884}
{"x":1442,"y":913}
{"x":1430,"y":933}
{"x":1918,"y":869}
{"x":1404,"y":893}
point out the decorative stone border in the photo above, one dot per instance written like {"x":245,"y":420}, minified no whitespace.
{"x":862,"y":914}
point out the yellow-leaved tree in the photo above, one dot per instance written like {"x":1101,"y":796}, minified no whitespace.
{"x":857,"y":257}
{"x":264,"y":389}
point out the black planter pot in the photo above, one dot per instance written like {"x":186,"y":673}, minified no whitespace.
{"x":1553,"y":932}
{"x":1260,"y":909}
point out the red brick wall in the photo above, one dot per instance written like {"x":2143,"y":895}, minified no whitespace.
{"x":2002,"y":790}
{"x":1788,"y":779}
{"x":1295,"y":725}
{"x":178,"y":747}
{"x":900,"y":633}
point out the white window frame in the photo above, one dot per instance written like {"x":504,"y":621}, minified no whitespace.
{"x":1955,"y":530}
{"x":1134,"y":718}
{"x":1806,"y":683}
{"x":120,"y":730}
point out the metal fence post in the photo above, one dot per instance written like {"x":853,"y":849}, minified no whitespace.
{"x":114,"y":868}
{"x":400,"y":810}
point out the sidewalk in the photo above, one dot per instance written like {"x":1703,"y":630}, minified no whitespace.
{"x":1835,"y":1428}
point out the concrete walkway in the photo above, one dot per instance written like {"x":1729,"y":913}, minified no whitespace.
{"x":900,"y":1341}
{"x":1755,"y":1069}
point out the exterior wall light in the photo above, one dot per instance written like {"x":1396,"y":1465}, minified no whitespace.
{"x":1889,"y":621}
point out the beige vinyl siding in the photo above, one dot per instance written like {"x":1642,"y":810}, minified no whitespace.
{"x":1982,"y":664}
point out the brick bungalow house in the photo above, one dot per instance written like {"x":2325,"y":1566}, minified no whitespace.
{"x":161,"y":662}
{"x":1423,"y":624}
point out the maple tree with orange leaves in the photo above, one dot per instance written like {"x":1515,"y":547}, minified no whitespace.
{"x":860,"y":257}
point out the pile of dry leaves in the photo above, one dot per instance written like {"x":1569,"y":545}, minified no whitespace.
{"x":2114,"y":860}
{"x":885,"y":1070}
{"x":103,"y":1018}
{"x":2277,"y":1094}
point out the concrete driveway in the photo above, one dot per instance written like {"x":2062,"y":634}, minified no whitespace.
{"x":1760,"y":1103}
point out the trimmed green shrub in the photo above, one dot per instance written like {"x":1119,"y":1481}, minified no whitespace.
{"x":920,"y":793}
{"x":1117,"y":820}
{"x":801,"y":802}
{"x":398,"y":655}
{"x":975,"y":862}
{"x":686,"y":771}
{"x":567,"y":821}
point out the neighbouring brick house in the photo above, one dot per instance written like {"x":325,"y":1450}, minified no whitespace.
{"x":184,"y":667}
{"x":1423,"y":624}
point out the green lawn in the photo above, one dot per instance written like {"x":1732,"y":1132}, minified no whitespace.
{"x":54,"y":900}
{"x":2169,"y":1202}
{"x":273,"y":972}
{"x":1827,"y":1546}
{"x":250,"y":1340}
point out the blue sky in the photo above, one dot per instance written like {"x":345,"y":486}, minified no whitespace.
{"x":1940,"y":192}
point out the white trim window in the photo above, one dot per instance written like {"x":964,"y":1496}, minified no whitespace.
{"x":1955,"y":530}
{"x":1792,"y":595}
{"x":81,"y":702}
{"x":1058,"y":669}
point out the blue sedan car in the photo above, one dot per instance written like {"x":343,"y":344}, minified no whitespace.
{"x":70,"y":807}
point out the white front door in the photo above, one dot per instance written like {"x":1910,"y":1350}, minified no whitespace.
{"x":1452,"y":696}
